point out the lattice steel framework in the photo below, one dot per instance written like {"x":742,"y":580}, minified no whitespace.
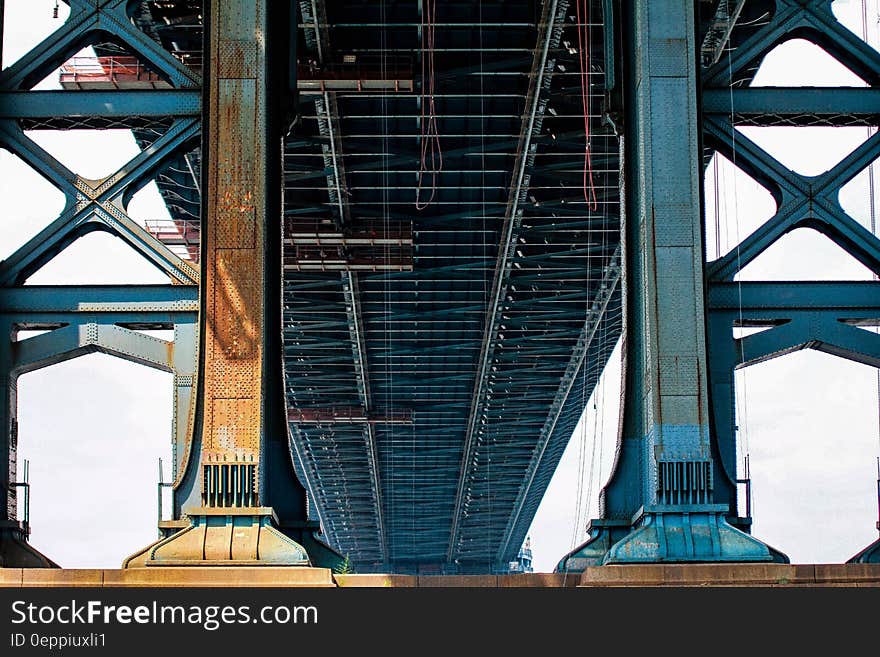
{"x":83,"y":320}
{"x":838,"y":318}
{"x":506,"y":311}
{"x":437,"y":359}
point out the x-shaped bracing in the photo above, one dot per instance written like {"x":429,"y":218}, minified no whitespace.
{"x":96,"y":204}
{"x":802,"y":201}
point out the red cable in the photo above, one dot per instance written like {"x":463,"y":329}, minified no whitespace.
{"x":431,"y":161}
{"x":584,"y":53}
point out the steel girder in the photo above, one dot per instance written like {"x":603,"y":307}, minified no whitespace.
{"x":549,"y":35}
{"x":51,"y":108}
{"x":104,"y":319}
{"x":374,"y":549}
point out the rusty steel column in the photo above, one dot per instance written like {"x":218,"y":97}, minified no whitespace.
{"x":238,"y":489}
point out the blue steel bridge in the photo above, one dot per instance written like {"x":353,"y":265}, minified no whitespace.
{"x":438,"y":358}
{"x":453,"y":269}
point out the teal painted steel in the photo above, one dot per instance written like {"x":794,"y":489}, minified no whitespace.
{"x":97,"y":205}
{"x":660,"y":504}
{"x":105,"y":319}
{"x":47,"y":109}
{"x":826,"y":316}
{"x":444,"y":493}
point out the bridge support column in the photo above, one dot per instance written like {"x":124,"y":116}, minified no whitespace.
{"x":661,"y":504}
{"x":239,"y":490}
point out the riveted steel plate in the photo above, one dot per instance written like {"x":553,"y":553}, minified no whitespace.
{"x":236,"y":153}
{"x":238,"y":59}
{"x":234,"y":266}
{"x":235,"y":426}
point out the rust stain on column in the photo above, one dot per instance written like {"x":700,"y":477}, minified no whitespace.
{"x":234,"y":264}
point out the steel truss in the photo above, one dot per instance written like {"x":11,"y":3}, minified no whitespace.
{"x":104,"y":319}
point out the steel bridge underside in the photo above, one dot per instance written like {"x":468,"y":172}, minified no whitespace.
{"x":469,"y":365}
{"x":437,"y":359}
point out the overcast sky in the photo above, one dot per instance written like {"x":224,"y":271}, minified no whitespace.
{"x":94,"y":428}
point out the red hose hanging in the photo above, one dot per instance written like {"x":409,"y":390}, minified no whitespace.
{"x":584,"y":53}
{"x":431,"y":160}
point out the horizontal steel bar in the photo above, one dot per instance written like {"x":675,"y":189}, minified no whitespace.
{"x":360,"y":85}
{"x":820,"y":101}
{"x":812,"y":295}
{"x":99,"y":299}
{"x":107,"y":104}
{"x":346,"y":415}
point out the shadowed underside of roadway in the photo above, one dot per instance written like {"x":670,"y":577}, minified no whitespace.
{"x":452,"y":257}
{"x":444,"y":324}
{"x":473,"y":363}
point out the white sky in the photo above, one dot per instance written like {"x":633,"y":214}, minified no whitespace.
{"x":99,"y":424}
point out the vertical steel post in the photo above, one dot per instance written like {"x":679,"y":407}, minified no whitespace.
{"x":15,"y":552}
{"x":660,"y":503}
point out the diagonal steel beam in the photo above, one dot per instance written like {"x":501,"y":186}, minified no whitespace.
{"x":72,"y":341}
{"x":549,"y":34}
{"x":35,"y":156}
{"x":595,"y":315}
{"x":785,"y":20}
{"x":88,"y":17}
{"x":328,"y":122}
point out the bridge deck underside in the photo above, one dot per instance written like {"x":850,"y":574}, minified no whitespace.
{"x":481,"y":416}
{"x":423,"y":330}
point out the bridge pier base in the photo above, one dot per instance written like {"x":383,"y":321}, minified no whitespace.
{"x":870,"y":554}
{"x":238,"y":537}
{"x":16,"y":552}
{"x":239,"y":465}
{"x":695,"y":533}
{"x":221,"y":536}
{"x":669,"y":534}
